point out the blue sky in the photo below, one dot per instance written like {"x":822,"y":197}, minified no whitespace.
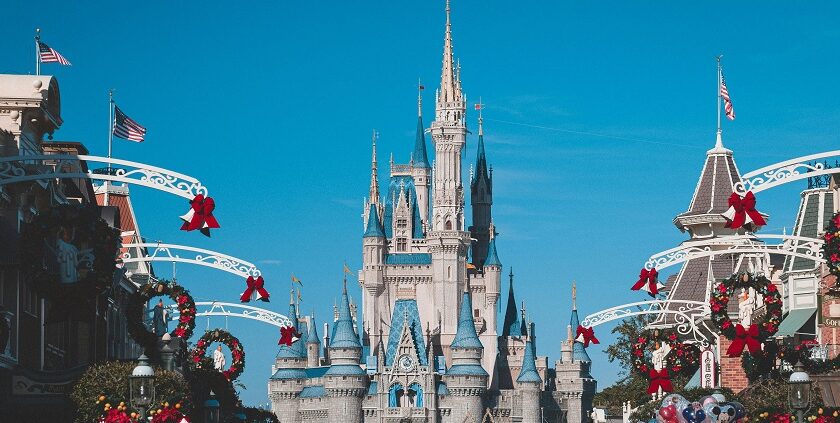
{"x":271,"y":105}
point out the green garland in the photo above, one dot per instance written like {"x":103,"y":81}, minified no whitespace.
{"x":89,"y":231}
{"x":683,"y":358}
{"x":237,"y":366}
{"x":719,"y":300}
{"x":136,"y":310}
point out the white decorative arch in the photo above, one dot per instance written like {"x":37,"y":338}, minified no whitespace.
{"x":795,"y":246}
{"x":157,"y":252}
{"x":787,"y":171}
{"x":17,"y":169}
{"x":215,"y":308}
{"x":687,"y":317}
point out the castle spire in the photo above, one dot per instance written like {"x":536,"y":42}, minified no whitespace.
{"x":447,"y":78}
{"x":374,"y":180}
{"x":574,"y":295}
{"x":511,"y":325}
{"x":528,"y":373}
{"x":421,"y":159}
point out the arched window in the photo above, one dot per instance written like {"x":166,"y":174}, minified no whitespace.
{"x":415,"y":395}
{"x":395,"y":395}
{"x":448,"y":226}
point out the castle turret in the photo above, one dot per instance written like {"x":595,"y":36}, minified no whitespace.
{"x":373,"y":265}
{"x":313,"y":344}
{"x":572,"y":370}
{"x":421,"y":170}
{"x":345,"y":381}
{"x":286,"y":383}
{"x":530,"y":383}
{"x":481,"y":198}
{"x":466,"y":378}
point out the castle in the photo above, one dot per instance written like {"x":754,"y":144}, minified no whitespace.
{"x":427,"y":345}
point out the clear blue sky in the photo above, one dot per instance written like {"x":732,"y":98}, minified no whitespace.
{"x":271,"y":105}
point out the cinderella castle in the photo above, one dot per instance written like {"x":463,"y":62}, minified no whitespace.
{"x":427,"y":344}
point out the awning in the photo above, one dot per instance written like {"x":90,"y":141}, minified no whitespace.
{"x":794,"y":321}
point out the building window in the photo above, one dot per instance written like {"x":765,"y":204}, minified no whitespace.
{"x":402,"y":244}
{"x":476,"y":313}
{"x":402,"y":223}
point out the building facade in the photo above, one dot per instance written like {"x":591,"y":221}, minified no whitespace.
{"x":427,"y":344}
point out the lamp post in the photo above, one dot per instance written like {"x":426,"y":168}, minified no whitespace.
{"x":211,"y":409}
{"x":142,"y":386}
{"x":799,"y":390}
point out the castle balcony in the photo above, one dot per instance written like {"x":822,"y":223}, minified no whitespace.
{"x":398,"y":414}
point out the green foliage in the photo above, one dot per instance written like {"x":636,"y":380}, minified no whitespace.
{"x":111,"y":380}
{"x":629,"y":330}
{"x":259,"y":415}
{"x":202,"y":381}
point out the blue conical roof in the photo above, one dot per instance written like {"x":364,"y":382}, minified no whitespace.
{"x":529,"y":366}
{"x":344,"y":335}
{"x":421,"y":159}
{"x":578,"y":351}
{"x":511,"y":326}
{"x":492,"y":256}
{"x":296,"y":350}
{"x":466,"y":336}
{"x":312,"y":332}
{"x":374,"y":226}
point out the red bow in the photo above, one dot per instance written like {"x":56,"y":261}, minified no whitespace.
{"x":585,"y":336}
{"x":647,"y":282}
{"x":742,"y":211}
{"x":744,"y":338}
{"x":200,"y":215}
{"x":659,"y":379}
{"x":254,"y":285}
{"x":288,"y":335}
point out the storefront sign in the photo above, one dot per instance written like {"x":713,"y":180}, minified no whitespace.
{"x":707,"y":369}
{"x":22,"y":385}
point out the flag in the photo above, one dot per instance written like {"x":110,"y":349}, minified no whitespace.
{"x":127,"y":128}
{"x":727,"y":101}
{"x":478,"y":106}
{"x":422,"y":87}
{"x":295,"y":279}
{"x":48,"y":54}
{"x":347,"y":270}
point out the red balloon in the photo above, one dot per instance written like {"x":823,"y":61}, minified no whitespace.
{"x":669,"y":414}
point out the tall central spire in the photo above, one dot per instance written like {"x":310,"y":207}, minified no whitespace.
{"x":447,"y":77}
{"x":374,"y":181}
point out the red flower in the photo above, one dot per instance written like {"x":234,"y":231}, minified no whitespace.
{"x":828,"y":236}
{"x":726,"y":325}
{"x":673,"y":337}
{"x":837,"y":220}
{"x":772,"y":288}
{"x":180,"y":332}
{"x":196,"y":358}
{"x":642,"y":340}
{"x":643,"y":368}
{"x":835,"y":258}
{"x":182,"y":299}
{"x":637,"y":352}
{"x":716,"y":307}
{"x":722,"y":288}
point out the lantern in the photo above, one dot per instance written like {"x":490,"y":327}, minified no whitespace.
{"x":142,"y":385}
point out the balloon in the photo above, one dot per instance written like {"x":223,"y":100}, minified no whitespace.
{"x":727,"y":413}
{"x":708,"y":399}
{"x":694,"y":415}
{"x":669,"y":413}
{"x":740,"y":411}
{"x":712,"y":411}
{"x":672,"y":399}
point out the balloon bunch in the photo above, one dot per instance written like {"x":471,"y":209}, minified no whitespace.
{"x":676,"y":409}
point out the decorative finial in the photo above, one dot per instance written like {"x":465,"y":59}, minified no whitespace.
{"x":523,"y":310}
{"x":511,"y":274}
{"x":574,"y":295}
{"x":292,"y":296}
{"x":480,"y":106}
{"x":492,"y":230}
{"x":420,"y":89}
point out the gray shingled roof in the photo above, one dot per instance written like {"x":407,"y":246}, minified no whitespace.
{"x":716,"y":184}
{"x":809,"y":224}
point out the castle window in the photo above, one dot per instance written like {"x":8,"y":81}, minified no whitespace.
{"x":477,"y":313}
{"x":402,"y":223}
{"x":448,"y":226}
{"x":402,"y":244}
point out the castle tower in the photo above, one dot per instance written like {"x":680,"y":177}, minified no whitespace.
{"x":466,"y":379}
{"x":373,"y":268}
{"x":287,"y":381}
{"x":530,"y":383}
{"x":421,"y":171}
{"x":313,"y":344}
{"x":491,"y":285}
{"x":481,"y":198}
{"x":345,"y":382}
{"x":511,"y":341}
{"x":447,"y":241}
{"x":574,"y":383}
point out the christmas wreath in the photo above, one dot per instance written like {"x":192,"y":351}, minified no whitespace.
{"x":69,"y":252}
{"x":831,"y":247}
{"x":754,"y":335}
{"x":136,"y":311}
{"x":680,"y":358}
{"x":237,"y":353}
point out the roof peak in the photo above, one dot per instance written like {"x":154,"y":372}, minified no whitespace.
{"x":719,"y":148}
{"x":466,"y":336}
{"x":374,"y":226}
{"x":511,"y":326}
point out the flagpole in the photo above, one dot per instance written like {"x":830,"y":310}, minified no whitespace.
{"x":718,"y":140}
{"x":110,"y":139}
{"x":37,"y":51}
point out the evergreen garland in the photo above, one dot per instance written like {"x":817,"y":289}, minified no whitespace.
{"x":136,"y":310}
{"x":719,"y":301}
{"x":237,"y":365}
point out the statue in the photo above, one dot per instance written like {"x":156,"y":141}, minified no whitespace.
{"x":659,"y":354}
{"x":218,"y":359}
{"x":67,"y":256}
{"x":746,"y":306}
{"x":159,"y":319}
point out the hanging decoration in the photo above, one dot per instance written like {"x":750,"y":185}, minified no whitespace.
{"x":255,"y":288}
{"x":648,"y":282}
{"x":237,"y":353}
{"x":831,"y":248}
{"x":746,"y":334}
{"x":585,"y":336}
{"x":288,"y":336}
{"x":742,"y":212}
{"x":136,"y":310}
{"x":70,"y":253}
{"x":200,"y":215}
{"x":668,"y":357}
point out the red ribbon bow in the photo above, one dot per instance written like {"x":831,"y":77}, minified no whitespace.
{"x":585,"y":336}
{"x":744,"y":338}
{"x":647,"y":282}
{"x":200,"y":216}
{"x":659,"y":379}
{"x":742,"y":211}
{"x":254,"y":285}
{"x":288,"y":335}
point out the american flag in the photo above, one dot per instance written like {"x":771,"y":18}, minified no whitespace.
{"x":727,"y":102}
{"x":126,"y":128}
{"x":48,"y":54}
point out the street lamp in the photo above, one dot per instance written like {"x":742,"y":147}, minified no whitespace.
{"x":799,"y":390}
{"x":142,"y":385}
{"x":211,"y":409}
